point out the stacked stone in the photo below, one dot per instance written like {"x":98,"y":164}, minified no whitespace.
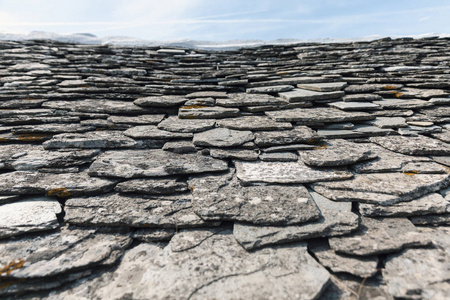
{"x":156,"y":173}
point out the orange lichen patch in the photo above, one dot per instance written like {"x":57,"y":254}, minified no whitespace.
{"x":30,"y":137}
{"x":389,"y":87}
{"x":59,"y":192}
{"x":85,"y":86}
{"x":411,"y":173}
{"x":282,"y":73}
{"x":321,"y":147}
{"x":3,"y":140}
{"x":13,"y":265}
{"x":193,"y":106}
{"x":191,"y":188}
{"x":398,"y":94}
{"x":100,"y":72}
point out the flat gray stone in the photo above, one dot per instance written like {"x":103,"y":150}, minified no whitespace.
{"x":336,"y":219}
{"x":201,"y":102}
{"x":152,"y":186}
{"x":416,"y":130}
{"x":222,"y":137}
{"x":318,"y":114}
{"x":175,"y":124}
{"x":180,"y":147}
{"x":345,"y":125}
{"x":269,"y":89}
{"x":413,"y":145}
{"x":285,"y":172}
{"x":29,"y":215}
{"x":249,"y":155}
{"x":403,"y":104}
{"x":361,"y":97}
{"x":367,"y":88}
{"x":183,"y":270}
{"x":292,"y":147}
{"x":278,"y":156}
{"x":300,"y":134}
{"x":254,"y":123}
{"x":89,"y":140}
{"x":149,"y":235}
{"x":389,"y":122}
{"x":323,"y":87}
{"x":287,"y":105}
{"x":133,"y":211}
{"x":55,"y":256}
{"x":243,"y":99}
{"x":393,"y":113}
{"x":341,"y":263}
{"x":218,"y":198}
{"x":207,"y":94}
{"x":137,"y":120}
{"x":25,"y":67}
{"x":152,"y":163}
{"x":422,"y":93}
{"x":355,"y":106}
{"x":97,"y":106}
{"x":382,"y":188}
{"x":379,"y":236}
{"x":337,"y":152}
{"x":307,"y":95}
{"x":152,"y":132}
{"x":432,"y":203}
{"x":431,"y":220}
{"x":160,"y":101}
{"x":207,"y":112}
{"x":418,"y":274}
{"x":61,"y":185}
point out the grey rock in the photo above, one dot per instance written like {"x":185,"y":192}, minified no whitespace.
{"x":422,"y":93}
{"x":207,"y":94}
{"x":160,"y":101}
{"x":25,"y":67}
{"x":243,"y":99}
{"x":308,"y":95}
{"x":152,"y":163}
{"x":222,"y":137}
{"x":278,"y":156}
{"x":8,"y":199}
{"x":418,"y":274}
{"x":149,"y":235}
{"x":402,"y":104}
{"x":300,"y":134}
{"x":269,"y":89}
{"x":138,"y":120}
{"x":443,"y":160}
{"x":419,"y":145}
{"x":361,"y":97}
{"x":175,"y":124}
{"x":318,"y":114}
{"x":98,"y":106}
{"x":89,"y":140}
{"x":201,"y":102}
{"x":340,"y":263}
{"x":439,"y":111}
{"x":263,"y":108}
{"x":152,"y":132}
{"x":30,"y":215}
{"x":389,"y":122}
{"x":151,"y":186}
{"x":53,"y":128}
{"x":393,"y":113}
{"x":429,"y":204}
{"x":367,"y":88}
{"x":442,"y":136}
{"x":172,"y":51}
{"x":419,"y":123}
{"x":323,"y":87}
{"x":357,"y":106}
{"x":292,"y":147}
{"x":431,"y":220}
{"x":285,"y":172}
{"x":254,"y":123}
{"x":378,"y":236}
{"x":346,"y":125}
{"x":336,"y":219}
{"x":207,"y":112}
{"x":241,"y":275}
{"x":133,"y":211}
{"x":382,"y":188}
{"x":337,"y":152}
{"x":249,"y":155}
{"x":180,"y":147}
{"x":61,"y":185}
{"x":223,"y":198}
{"x":416,"y":130}
{"x":18,"y":103}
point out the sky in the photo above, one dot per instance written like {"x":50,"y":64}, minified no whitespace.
{"x":222,"y":20}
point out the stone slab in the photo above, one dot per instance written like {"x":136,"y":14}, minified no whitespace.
{"x":89,"y":140}
{"x":253,"y":123}
{"x":243,"y":99}
{"x":207,"y":112}
{"x":151,"y":186}
{"x":413,"y":145}
{"x":222,"y":137}
{"x":175,"y":124}
{"x":152,"y":132}
{"x":300,"y":134}
{"x":308,"y":95}
{"x":317,"y":114}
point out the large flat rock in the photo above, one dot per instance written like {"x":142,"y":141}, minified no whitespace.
{"x":378,"y":236}
{"x":152,"y":163}
{"x":152,"y":186}
{"x":134,"y":211}
{"x":61,"y":185}
{"x":175,"y":124}
{"x":89,"y":140}
{"x":253,"y":123}
{"x":318,"y":114}
{"x":413,"y":145}
{"x":285,"y":172}
{"x":309,"y":95}
{"x":160,"y":101}
{"x":207,"y":112}
{"x":208,"y":265}
{"x":222,"y":137}
{"x":336,"y":219}
{"x":243,"y":99}
{"x":382,"y":188}
{"x":29,"y":215}
{"x":223,"y":198}
{"x":152,"y":132}
{"x":300,"y":134}
{"x":98,"y":106}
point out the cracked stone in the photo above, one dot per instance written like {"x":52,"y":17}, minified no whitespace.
{"x":29,"y":215}
{"x":335,"y":219}
{"x":152,"y":132}
{"x":223,"y":198}
{"x":222,"y":137}
{"x":134,"y":211}
{"x":382,"y":188}
{"x":308,"y":95}
{"x":254,"y":123}
{"x":152,"y":163}
{"x":412,"y":145}
{"x":379,"y":236}
{"x":285,"y":172}
{"x":318,"y":114}
{"x":153,"y":186}
{"x":175,"y":124}
{"x":300,"y":134}
{"x":89,"y":140}
{"x":337,"y":152}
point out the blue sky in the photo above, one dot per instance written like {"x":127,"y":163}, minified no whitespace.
{"x":216,"y":20}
